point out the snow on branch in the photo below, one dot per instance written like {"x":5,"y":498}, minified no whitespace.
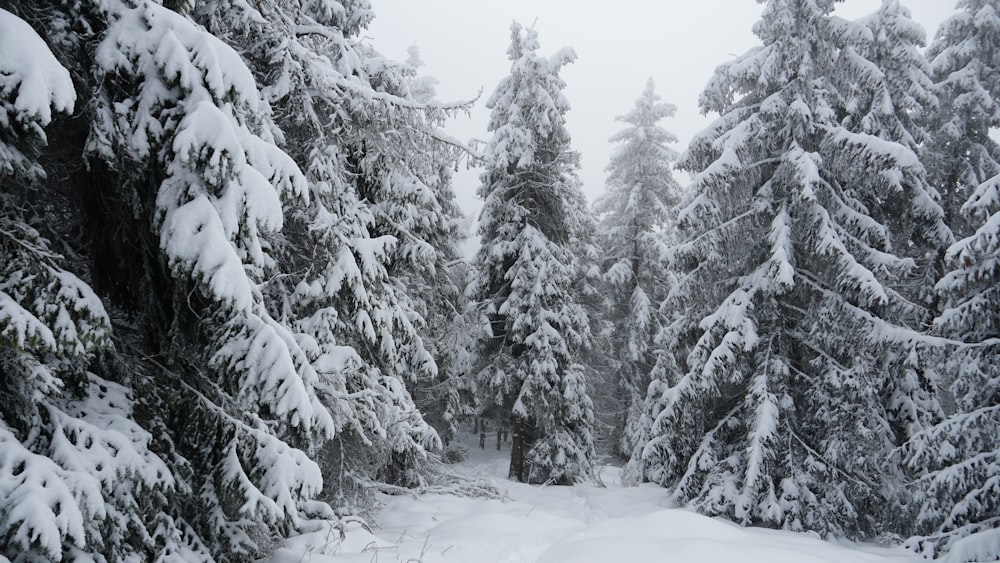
{"x":29,"y":69}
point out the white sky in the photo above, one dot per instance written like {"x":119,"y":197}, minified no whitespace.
{"x":618,"y":44}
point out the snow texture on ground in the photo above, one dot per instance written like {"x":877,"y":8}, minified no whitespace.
{"x":582,"y":524}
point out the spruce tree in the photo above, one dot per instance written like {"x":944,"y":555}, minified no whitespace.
{"x":196,"y":179}
{"x":955,"y":465}
{"x":376,"y":250}
{"x":636,"y":221}
{"x":775,"y":404}
{"x":220,"y":333}
{"x":531,"y":323}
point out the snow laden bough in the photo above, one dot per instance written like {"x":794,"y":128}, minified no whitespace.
{"x":304,"y":333}
{"x":75,"y":468}
{"x":354,"y":257}
{"x":183,"y":106}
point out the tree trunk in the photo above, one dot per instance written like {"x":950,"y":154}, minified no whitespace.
{"x":516,"y":450}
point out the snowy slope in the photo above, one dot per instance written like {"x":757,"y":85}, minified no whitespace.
{"x":581,"y":524}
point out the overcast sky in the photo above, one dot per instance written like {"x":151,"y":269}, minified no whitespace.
{"x":619,"y":45}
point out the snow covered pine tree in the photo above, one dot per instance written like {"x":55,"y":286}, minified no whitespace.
{"x":531,"y":324}
{"x":793,"y":324}
{"x":379,"y":217}
{"x":243,"y":317}
{"x":637,"y":215}
{"x":955,"y":465}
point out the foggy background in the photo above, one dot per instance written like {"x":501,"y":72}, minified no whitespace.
{"x":463,"y":44}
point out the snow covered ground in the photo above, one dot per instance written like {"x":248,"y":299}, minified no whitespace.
{"x":580,"y":524}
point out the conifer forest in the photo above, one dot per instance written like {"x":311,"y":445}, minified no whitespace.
{"x":234,"y":300}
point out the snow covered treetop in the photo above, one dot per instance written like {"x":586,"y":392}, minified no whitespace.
{"x":528,"y":105}
{"x":648,"y":108}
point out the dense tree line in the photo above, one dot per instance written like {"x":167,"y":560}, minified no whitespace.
{"x":232,"y":300}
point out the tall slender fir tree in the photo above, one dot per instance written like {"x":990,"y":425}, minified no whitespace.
{"x":533,"y":218}
{"x":637,"y":215}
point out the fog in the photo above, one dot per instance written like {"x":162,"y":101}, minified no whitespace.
{"x":619,"y":45}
